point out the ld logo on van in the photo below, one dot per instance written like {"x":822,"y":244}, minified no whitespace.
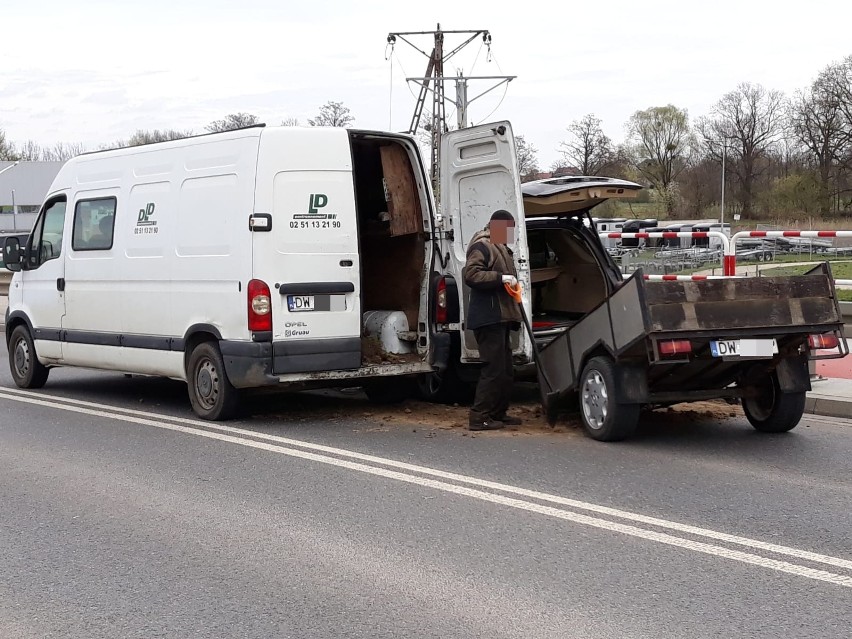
{"x":144,"y":223}
{"x":317,"y":201}
{"x":313,"y":219}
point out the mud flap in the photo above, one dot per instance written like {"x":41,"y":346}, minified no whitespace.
{"x":793,"y":375}
{"x":555,"y":375}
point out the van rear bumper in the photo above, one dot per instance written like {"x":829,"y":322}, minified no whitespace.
{"x":252,"y":364}
{"x":248,"y":364}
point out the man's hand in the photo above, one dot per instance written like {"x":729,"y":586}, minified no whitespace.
{"x":511,"y":280}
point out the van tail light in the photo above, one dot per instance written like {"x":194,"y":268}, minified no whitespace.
{"x":826,"y":341}
{"x":259,"y":306}
{"x":441,"y":302}
{"x":675,"y":347}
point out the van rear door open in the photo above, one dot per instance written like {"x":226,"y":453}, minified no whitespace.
{"x":479,"y":175}
{"x":305,"y":249}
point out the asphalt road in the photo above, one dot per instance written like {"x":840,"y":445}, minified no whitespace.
{"x":124,"y":516}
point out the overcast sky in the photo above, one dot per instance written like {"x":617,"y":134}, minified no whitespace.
{"x":93,"y":72}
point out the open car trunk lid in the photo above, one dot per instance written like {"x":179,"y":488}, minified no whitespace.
{"x":573,"y":195}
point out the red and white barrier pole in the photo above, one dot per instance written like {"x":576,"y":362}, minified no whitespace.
{"x":671,"y":235}
{"x":730,"y":259}
{"x":683,"y":278}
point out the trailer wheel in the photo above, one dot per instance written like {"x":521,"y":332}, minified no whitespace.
{"x":771,"y":411}
{"x":603,"y":418}
{"x":211,"y":393}
{"x":26,"y":370}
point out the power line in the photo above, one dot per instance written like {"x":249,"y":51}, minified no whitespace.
{"x":433,"y":82}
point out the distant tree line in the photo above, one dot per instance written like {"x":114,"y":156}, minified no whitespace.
{"x":332,"y":113}
{"x":783,"y":155}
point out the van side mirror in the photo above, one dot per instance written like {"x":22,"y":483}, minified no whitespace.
{"x":12,"y":254}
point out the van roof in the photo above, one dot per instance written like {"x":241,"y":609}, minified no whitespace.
{"x":187,"y":137}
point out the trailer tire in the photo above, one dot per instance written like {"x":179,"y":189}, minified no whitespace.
{"x":27,"y":371}
{"x":603,"y":418}
{"x":210,"y":391}
{"x":770,"y":410}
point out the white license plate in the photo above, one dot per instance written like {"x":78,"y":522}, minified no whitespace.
{"x":744,"y":348}
{"x":296,"y":303}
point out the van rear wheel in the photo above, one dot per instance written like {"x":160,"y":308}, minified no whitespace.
{"x":211,"y":394}
{"x":445,"y":388}
{"x":26,"y":370}
{"x":389,"y":390}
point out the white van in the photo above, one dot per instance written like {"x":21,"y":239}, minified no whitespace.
{"x":256,"y":257}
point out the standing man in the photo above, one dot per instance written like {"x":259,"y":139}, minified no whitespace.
{"x":491,"y":315}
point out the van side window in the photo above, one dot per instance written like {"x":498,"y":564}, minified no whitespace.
{"x":94,"y":222}
{"x":46,"y":237}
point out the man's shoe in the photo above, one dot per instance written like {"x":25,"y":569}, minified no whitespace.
{"x":488,"y":424}
{"x":508,"y":420}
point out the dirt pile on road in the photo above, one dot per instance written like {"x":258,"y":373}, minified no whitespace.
{"x":351,"y":407}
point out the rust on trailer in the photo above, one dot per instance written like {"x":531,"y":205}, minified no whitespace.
{"x":737,"y":314}
{"x":748,"y":303}
{"x":815,"y":285}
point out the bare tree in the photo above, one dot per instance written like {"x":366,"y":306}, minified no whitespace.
{"x":232,"y":121}
{"x":748,"y":121}
{"x":290,"y":122}
{"x":61,"y":151}
{"x":150,"y":136}
{"x":660,"y":147}
{"x":527,"y":159}
{"x":7,"y":149}
{"x":819,"y":124}
{"x":588,"y":148}
{"x":29,"y":151}
{"x":840,"y":86}
{"x":333,"y":114}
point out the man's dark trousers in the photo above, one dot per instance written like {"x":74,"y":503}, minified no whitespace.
{"x":495,"y":379}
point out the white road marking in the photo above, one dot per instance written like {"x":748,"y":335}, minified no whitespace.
{"x":474,"y":481}
{"x":603,"y":524}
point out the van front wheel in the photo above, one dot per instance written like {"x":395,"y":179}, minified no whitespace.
{"x":26,"y":370}
{"x":210,"y":392}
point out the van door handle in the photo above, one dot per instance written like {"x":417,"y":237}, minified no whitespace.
{"x":60,"y":284}
{"x":345,"y":263}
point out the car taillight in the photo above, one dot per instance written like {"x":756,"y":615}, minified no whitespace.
{"x":823,"y":342}
{"x":441,"y":302}
{"x":259,"y":306}
{"x":543,"y":324}
{"x":673,"y":347}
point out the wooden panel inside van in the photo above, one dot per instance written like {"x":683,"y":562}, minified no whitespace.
{"x":403,"y":200}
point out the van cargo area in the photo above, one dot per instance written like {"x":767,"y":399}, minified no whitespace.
{"x":390,"y":224}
